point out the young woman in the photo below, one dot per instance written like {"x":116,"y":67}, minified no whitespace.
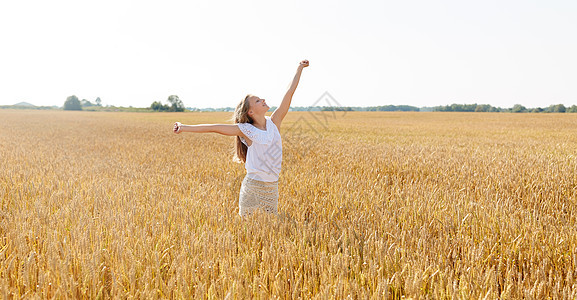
{"x":258,"y":145}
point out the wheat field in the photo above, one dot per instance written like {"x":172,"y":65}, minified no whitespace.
{"x":372,"y":205}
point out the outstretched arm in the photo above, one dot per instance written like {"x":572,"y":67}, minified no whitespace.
{"x":224,"y":129}
{"x":279,"y":114}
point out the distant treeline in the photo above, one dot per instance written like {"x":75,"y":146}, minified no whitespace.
{"x":517,"y":108}
{"x":27,"y":107}
{"x":175,"y":104}
{"x":373,"y":108}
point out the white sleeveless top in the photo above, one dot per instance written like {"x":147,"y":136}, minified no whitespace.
{"x":264,"y":155}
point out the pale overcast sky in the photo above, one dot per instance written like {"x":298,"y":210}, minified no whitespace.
{"x":364,"y":53}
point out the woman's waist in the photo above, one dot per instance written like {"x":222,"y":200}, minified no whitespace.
{"x":258,"y":179}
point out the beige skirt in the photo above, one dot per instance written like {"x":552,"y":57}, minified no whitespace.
{"x":255,"y":194}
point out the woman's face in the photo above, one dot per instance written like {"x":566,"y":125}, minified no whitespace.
{"x":257,"y":105}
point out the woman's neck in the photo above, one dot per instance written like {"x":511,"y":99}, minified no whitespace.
{"x":259,"y":122}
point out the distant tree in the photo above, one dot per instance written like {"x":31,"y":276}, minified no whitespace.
{"x":518,"y":108}
{"x":469,"y":107}
{"x":537,"y":110}
{"x":72,"y":103}
{"x":456,"y":107}
{"x":157,"y":106}
{"x":395,"y":108}
{"x":558,"y":108}
{"x":98,"y":101}
{"x":441,"y":108}
{"x":175,"y":103}
{"x":86,"y":103}
{"x":485,"y":108}
{"x":466,"y":107}
{"x":572,"y":109}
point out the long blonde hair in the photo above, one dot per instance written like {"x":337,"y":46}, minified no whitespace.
{"x":241,"y":116}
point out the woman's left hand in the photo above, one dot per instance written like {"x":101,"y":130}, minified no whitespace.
{"x":304,"y":63}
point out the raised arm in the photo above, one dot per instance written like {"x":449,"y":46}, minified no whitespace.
{"x":224,"y":129}
{"x":281,"y":111}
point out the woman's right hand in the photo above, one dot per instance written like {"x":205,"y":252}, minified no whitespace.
{"x":176,"y":128}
